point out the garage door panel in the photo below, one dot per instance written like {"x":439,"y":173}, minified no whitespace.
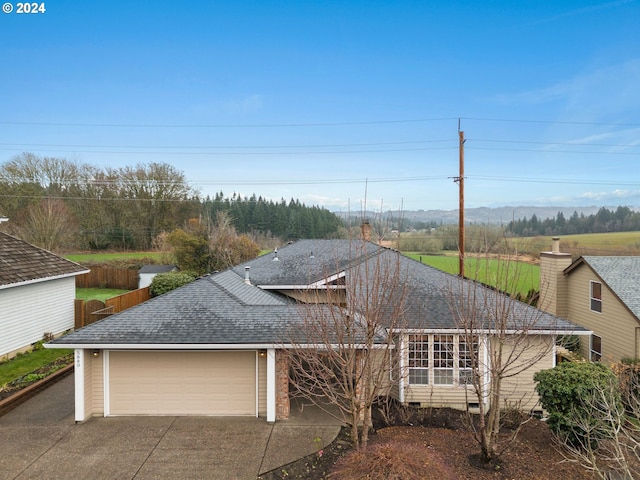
{"x":182,"y":383}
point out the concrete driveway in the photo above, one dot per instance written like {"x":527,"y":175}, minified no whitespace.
{"x":40,"y":439}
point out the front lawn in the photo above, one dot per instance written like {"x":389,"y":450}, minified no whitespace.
{"x":28,"y":362}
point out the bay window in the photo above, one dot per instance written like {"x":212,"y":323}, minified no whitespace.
{"x":441,"y":359}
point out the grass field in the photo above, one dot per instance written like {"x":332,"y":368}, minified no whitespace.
{"x":116,"y":257}
{"x":615,"y":243}
{"x":521,"y":277}
{"x":98,"y":293}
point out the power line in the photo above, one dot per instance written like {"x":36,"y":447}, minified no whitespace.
{"x":227,"y":146}
{"x":312,"y":124}
{"x":552,"y":151}
{"x":256,"y":125}
{"x":243,"y":153}
{"x":552,"y":122}
{"x":555,"y":143}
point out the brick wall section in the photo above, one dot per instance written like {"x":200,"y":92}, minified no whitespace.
{"x":282,"y":385}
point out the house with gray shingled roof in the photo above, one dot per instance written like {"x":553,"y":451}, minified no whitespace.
{"x":217,"y":346}
{"x":37,"y":293}
{"x":600,"y":293}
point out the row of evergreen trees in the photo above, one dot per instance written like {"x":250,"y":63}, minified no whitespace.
{"x":288,"y":220}
{"x":623,"y":219}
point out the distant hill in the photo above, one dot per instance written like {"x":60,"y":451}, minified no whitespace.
{"x":482,"y":215}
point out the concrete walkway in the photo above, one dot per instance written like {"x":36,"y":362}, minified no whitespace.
{"x":40,"y":439}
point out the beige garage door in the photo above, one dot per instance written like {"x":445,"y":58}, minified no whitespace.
{"x":182,"y":383}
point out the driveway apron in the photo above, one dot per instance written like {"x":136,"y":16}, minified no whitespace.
{"x":40,"y":439}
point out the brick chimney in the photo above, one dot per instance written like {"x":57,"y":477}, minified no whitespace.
{"x":553,"y":284}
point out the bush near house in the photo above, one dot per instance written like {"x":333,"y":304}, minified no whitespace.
{"x":566,"y":392}
{"x":165,"y":282}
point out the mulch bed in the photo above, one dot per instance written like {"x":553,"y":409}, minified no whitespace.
{"x":443,"y":443}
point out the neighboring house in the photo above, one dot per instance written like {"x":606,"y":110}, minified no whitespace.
{"x":600,"y":293}
{"x":37,"y":292}
{"x":147,"y":272}
{"x":215,"y":346}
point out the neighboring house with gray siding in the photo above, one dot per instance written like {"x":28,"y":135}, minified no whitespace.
{"x":37,"y":293}
{"x":600,"y":293}
{"x":217,"y":346}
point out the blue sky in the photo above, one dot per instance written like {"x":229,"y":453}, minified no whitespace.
{"x":337,"y":103}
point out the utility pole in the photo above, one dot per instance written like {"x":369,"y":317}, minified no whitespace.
{"x":460,"y":181}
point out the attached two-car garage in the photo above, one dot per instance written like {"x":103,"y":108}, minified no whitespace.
{"x":182,"y":383}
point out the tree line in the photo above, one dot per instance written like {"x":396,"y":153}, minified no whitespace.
{"x":287,"y":220}
{"x":59,"y":204}
{"x":623,"y":219}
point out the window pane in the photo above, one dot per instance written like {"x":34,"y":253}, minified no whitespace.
{"x":596,"y":348}
{"x":419,"y":376}
{"x":419,"y":351}
{"x":466,"y":377}
{"x":443,"y":351}
{"x":595,"y":296}
{"x":443,"y":359}
{"x":443,"y":376}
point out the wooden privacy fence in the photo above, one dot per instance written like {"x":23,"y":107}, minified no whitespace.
{"x":105,"y":277}
{"x":94,"y":310}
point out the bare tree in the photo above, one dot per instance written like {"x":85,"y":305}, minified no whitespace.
{"x":341,"y":352}
{"x":503,"y":342}
{"x":607,"y":433}
{"x":49,"y":224}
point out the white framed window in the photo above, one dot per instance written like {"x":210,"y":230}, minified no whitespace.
{"x":467,"y":359}
{"x":418,"y":359}
{"x":595,"y":296}
{"x":595,"y":349}
{"x":443,"y":359}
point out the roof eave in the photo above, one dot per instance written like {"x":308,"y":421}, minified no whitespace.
{"x":42,"y":279}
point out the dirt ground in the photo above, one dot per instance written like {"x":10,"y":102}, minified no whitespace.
{"x":446,"y":446}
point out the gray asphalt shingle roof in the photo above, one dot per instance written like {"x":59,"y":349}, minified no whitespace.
{"x":305,"y":261}
{"x":22,"y":262}
{"x":206,"y":311}
{"x":622,"y":275}
{"x":222,"y":309}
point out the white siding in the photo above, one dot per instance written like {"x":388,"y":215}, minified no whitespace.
{"x":27,"y":312}
{"x":145,"y":279}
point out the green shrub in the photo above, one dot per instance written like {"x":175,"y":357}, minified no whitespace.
{"x":572,"y":393}
{"x":570,"y":342}
{"x":165,"y":282}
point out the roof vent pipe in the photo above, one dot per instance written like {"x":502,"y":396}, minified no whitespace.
{"x":246,"y":275}
{"x":555,"y":245}
{"x":275,"y":258}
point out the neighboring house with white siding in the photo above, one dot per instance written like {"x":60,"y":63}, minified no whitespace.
{"x":600,"y":293}
{"x":217,"y":346}
{"x":148,"y":272}
{"x":37,"y":292}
